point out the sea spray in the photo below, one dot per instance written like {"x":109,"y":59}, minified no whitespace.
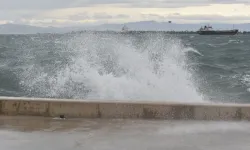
{"x":115,"y":67}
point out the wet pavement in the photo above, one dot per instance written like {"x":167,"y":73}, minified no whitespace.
{"x":32,"y":133}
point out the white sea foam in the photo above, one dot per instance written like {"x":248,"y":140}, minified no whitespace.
{"x":150,"y":67}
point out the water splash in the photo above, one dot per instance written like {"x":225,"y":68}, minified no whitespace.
{"x":115,"y":66}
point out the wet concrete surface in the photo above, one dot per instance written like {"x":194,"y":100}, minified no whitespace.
{"x":32,"y":133}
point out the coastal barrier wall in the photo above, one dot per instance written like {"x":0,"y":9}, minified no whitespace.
{"x":17,"y":106}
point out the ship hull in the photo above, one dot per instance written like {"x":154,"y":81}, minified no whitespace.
{"x":223,"y":32}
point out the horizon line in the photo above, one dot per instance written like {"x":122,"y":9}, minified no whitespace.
{"x":93,"y":25}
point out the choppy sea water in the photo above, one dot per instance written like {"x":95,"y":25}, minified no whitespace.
{"x":115,"y":66}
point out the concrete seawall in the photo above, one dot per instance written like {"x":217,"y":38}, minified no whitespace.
{"x":119,"y":109}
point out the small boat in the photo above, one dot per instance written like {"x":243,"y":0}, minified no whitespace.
{"x":124,"y":28}
{"x":208,"y":30}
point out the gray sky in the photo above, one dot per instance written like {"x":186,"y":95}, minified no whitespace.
{"x":77,"y":12}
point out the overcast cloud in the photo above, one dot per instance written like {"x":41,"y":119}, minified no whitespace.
{"x":57,"y":4}
{"x":211,"y":17}
{"x":82,"y":11}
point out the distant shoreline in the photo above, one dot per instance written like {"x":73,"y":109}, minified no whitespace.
{"x":173,"y":32}
{"x":120,"y":32}
{"x":140,"y":32}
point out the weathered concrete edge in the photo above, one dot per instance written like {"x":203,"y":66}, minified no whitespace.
{"x":1,"y":107}
{"x":122,"y":109}
{"x":2,"y":98}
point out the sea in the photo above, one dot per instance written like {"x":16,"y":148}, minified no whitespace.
{"x":126,"y":66}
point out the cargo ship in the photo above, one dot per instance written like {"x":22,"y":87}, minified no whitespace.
{"x":208,"y":30}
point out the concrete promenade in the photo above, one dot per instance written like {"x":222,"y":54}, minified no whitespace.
{"x":10,"y":106}
{"x":39,"y":133}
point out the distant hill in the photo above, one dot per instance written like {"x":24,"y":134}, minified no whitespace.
{"x":27,"y":29}
{"x":165,"y":26}
{"x":142,"y":25}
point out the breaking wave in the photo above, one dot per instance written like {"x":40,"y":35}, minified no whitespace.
{"x":110,"y":66}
